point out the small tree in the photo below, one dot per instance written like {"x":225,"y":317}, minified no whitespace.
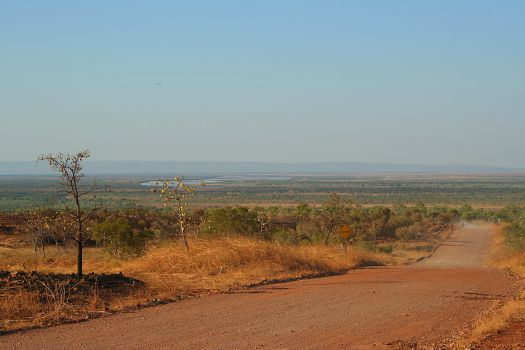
{"x":265,"y":217}
{"x":331,"y":214}
{"x":177,"y":193}
{"x":69,"y":166}
{"x":38,"y":226}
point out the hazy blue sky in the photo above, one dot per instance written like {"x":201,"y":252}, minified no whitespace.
{"x":377,"y":81}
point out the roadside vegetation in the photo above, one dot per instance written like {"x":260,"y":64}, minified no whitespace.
{"x":137,"y":257}
{"x":508,"y":252}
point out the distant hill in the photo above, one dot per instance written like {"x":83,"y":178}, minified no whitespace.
{"x":171,"y":168}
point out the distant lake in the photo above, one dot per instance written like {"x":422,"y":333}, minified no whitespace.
{"x":234,"y":178}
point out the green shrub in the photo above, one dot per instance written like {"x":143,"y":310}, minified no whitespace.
{"x":515,"y":237}
{"x":387,"y":249}
{"x":224,"y":221}
{"x":120,"y":238}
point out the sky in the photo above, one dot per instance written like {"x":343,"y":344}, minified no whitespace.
{"x":419,"y":82}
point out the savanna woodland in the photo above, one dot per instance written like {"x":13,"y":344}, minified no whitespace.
{"x":82,"y":257}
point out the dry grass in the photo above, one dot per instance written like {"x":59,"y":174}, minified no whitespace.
{"x":56,"y":260}
{"x":498,"y":319}
{"x":221,"y":264}
{"x":22,"y":308}
{"x":169,"y":273}
{"x":212,"y":265}
{"x":509,"y":310}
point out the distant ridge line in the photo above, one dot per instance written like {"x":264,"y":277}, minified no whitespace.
{"x":213,"y":167}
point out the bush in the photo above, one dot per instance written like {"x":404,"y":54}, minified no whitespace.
{"x":515,"y":237}
{"x":225,"y":221}
{"x":412,"y":232}
{"x":120,"y":238}
{"x":387,"y":249}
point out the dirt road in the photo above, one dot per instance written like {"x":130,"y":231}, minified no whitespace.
{"x":364,"y":309}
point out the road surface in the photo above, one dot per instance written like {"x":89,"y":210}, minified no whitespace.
{"x":364,"y":309}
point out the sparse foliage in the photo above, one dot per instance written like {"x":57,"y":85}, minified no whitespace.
{"x":69,"y":166}
{"x":177,"y":193}
{"x":39,"y":226}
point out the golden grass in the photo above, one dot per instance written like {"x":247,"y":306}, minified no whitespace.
{"x":512,"y":309}
{"x":22,"y":308}
{"x":212,"y":265}
{"x":499,"y":319}
{"x":56,"y":260}
{"x":170,"y":273}
{"x":221,"y":264}
{"x":206,"y":257}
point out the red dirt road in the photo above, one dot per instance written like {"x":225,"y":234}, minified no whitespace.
{"x":364,"y":309}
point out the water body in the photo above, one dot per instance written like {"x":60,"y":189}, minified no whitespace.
{"x":220,"y":179}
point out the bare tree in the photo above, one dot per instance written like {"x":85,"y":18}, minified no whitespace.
{"x":69,"y":166}
{"x":177,"y":193}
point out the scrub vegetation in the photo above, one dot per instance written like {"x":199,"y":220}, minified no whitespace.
{"x":488,"y":191}
{"x":111,"y":253}
{"x":136,"y":257}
